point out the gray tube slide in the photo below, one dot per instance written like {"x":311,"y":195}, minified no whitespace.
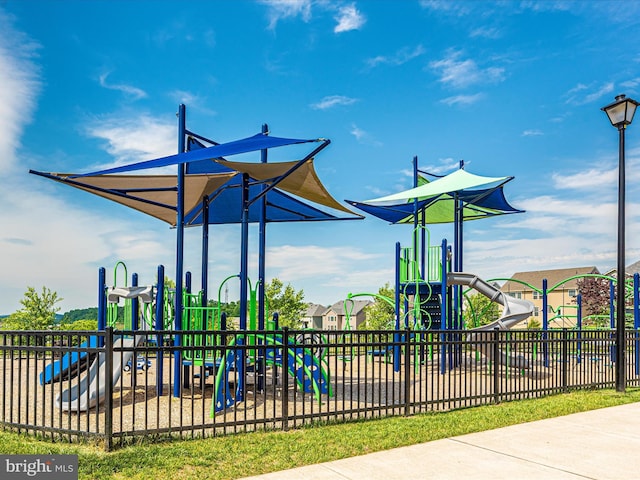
{"x":91,"y":389}
{"x":515,"y":311}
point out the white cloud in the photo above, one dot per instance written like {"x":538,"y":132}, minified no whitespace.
{"x":363,"y":136}
{"x":330,"y":272}
{"x":631,"y":84}
{"x":133,"y":139}
{"x":492,"y":33}
{"x":333,"y":101}
{"x":444,"y":166}
{"x":532,"y":133}
{"x":282,"y":9}
{"x":400,"y":57}
{"x":603,"y":176}
{"x":459,"y":73}
{"x":582,"y":94}
{"x":19,"y":77}
{"x":462,"y":99}
{"x":192,"y":100}
{"x":459,"y":9}
{"x":591,"y":178}
{"x":131,"y":91}
{"x":348,"y":18}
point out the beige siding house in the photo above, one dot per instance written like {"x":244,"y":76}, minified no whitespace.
{"x":561,"y":297}
{"x":334,"y":317}
{"x":313,"y":316}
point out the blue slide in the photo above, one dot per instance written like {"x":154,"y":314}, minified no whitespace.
{"x":70,"y":363}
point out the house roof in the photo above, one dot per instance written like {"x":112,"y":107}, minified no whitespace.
{"x":553,"y":277}
{"x":315,"y":310}
{"x":630,"y":269}
{"x":358,"y":305}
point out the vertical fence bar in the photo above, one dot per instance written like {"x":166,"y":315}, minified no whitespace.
{"x":564,"y":359}
{"x":545,"y":322}
{"x":636,"y":320}
{"x":407,"y":370}
{"x":108,"y":401}
{"x":496,"y":365}
{"x":285,"y":378}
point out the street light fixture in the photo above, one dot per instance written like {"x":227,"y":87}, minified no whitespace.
{"x":620,"y":115}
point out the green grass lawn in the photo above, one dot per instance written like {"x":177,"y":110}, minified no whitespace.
{"x":248,"y":454}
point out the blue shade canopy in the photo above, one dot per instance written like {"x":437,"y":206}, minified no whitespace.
{"x":257,"y":142}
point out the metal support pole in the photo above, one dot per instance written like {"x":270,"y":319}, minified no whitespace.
{"x":177,"y":361}
{"x":620,"y":272}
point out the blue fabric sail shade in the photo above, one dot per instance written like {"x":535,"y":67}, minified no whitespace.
{"x":257,"y":142}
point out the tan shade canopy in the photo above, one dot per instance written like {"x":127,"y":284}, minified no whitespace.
{"x":155,"y":195}
{"x":302,"y":182}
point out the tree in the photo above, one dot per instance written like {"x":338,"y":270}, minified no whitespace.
{"x":595,"y":292}
{"x":479,"y":310}
{"x":381,"y":313}
{"x":286,"y":301}
{"x":79,"y":314}
{"x":39,"y":311}
{"x":80,"y":325}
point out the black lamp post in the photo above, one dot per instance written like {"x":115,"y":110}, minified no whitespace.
{"x":620,"y":115}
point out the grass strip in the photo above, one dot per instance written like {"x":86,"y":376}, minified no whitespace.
{"x":237,"y":456}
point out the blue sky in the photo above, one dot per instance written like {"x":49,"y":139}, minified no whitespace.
{"x":512,"y":88}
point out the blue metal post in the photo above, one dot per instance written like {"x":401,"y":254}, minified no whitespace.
{"x":135,"y":304}
{"x":396,"y":335}
{"x":545,"y":322}
{"x":158,"y":327}
{"x":177,"y":358}
{"x":262,"y":250}
{"x":444,"y":304}
{"x":612,"y":318}
{"x":612,"y":303}
{"x":415,"y":215}
{"x":102,"y":303}
{"x":262,"y":254}
{"x":579,"y":326}
{"x":244,"y":285}
{"x":636,"y":319}
{"x":204,"y":275}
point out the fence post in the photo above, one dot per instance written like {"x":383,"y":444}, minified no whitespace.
{"x":564,"y":354}
{"x":285,"y":378}
{"x":496,"y":365}
{"x":407,"y":370}
{"x":108,"y":388}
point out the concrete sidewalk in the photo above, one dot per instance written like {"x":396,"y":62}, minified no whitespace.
{"x":599,"y":444}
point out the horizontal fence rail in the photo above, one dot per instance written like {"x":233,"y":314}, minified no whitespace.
{"x":114,"y":387}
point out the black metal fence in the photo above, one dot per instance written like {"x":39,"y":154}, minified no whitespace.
{"x":112,"y":387}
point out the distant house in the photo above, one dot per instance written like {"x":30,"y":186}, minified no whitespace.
{"x":630,"y":270}
{"x":313,"y":316}
{"x":561,"y":301}
{"x":335,"y":318}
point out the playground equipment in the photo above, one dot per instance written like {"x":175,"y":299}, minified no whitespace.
{"x":91,"y":389}
{"x":306,"y":366}
{"x":70,"y":364}
{"x":514,"y":311}
{"x":247,"y":353}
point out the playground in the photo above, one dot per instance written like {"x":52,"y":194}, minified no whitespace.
{"x":361,"y":384}
{"x":175,"y":368}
